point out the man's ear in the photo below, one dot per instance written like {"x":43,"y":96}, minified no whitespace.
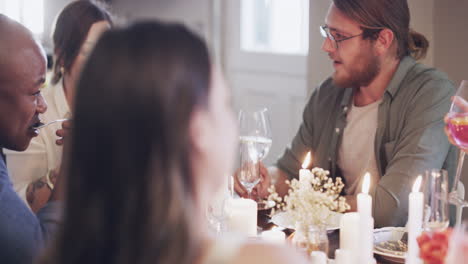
{"x":199,"y":128}
{"x":384,"y":41}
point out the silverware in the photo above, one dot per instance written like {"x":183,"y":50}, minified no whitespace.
{"x":42,"y":125}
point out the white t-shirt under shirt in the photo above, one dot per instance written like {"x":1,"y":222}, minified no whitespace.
{"x":356,"y":154}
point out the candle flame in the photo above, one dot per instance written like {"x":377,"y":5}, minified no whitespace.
{"x":307,"y":160}
{"x":366,"y":183}
{"x":417,"y":184}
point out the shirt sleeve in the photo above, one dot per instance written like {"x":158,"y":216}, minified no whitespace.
{"x":295,"y":153}
{"x":22,"y":233}
{"x":422,"y":145}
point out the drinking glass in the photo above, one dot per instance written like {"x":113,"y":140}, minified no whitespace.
{"x":249,"y":172}
{"x":435,"y":189}
{"x":310,"y":238}
{"x":216,"y":208}
{"x":255,"y":132}
{"x":458,"y":126}
{"x":254,"y":144}
{"x":216,"y":215}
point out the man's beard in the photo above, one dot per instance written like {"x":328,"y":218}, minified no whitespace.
{"x":366,"y":66}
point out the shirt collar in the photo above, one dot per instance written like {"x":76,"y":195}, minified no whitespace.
{"x":63,"y":108}
{"x":403,"y":68}
{"x":392,"y":88}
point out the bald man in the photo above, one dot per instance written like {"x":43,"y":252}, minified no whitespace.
{"x":22,"y":74}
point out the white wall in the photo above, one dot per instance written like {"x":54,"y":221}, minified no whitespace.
{"x":196,"y":14}
{"x":422,"y":21}
{"x":51,"y":10}
{"x":451,"y":38}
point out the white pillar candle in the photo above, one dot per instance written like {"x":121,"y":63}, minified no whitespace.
{"x":349,"y":235}
{"x":343,"y":256}
{"x":416,"y":203}
{"x":274,"y":236}
{"x":242,"y":216}
{"x":366,"y":230}
{"x":366,"y":223}
{"x":304,"y":174}
{"x":318,"y":257}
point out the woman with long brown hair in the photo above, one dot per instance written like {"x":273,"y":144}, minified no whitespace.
{"x":153,"y":134}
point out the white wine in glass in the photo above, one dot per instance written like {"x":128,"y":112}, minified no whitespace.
{"x":254,"y":144}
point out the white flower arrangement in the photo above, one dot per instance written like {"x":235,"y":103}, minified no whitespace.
{"x":311,"y":200}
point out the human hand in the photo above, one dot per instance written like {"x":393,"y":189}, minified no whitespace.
{"x":260,"y":191}
{"x":58,"y":181}
{"x":463,"y":106}
{"x":63,"y":132}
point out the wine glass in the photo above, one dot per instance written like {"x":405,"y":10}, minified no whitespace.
{"x":255,"y":131}
{"x":254,"y":144}
{"x":216,"y":208}
{"x":435,"y":189}
{"x":458,"y":126}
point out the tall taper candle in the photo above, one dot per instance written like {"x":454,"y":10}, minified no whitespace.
{"x":366,"y":223}
{"x":415,"y":216}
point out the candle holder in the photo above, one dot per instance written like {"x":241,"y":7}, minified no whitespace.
{"x":310,"y":238}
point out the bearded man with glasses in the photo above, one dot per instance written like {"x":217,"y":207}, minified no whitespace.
{"x":380,"y":112}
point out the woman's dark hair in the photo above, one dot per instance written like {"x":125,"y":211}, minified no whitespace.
{"x":374,"y":15}
{"x":129,"y":184}
{"x":71,"y":29}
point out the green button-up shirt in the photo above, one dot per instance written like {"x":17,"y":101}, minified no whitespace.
{"x":409,"y":138}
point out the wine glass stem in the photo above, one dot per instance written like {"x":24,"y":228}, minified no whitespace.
{"x":461,"y":158}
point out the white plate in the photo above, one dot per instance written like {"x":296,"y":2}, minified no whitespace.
{"x":389,"y":234}
{"x":282,"y":219}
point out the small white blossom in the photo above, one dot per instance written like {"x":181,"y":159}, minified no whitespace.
{"x":311,"y":202}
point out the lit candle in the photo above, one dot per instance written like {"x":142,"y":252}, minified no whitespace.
{"x":349,"y":235}
{"x":364,"y":200}
{"x":366,"y":223}
{"x":242,"y":216}
{"x":416,"y":202}
{"x":274,"y":236}
{"x":304,"y":174}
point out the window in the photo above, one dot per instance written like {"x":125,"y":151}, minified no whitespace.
{"x":275,"y":26}
{"x":30,"y":13}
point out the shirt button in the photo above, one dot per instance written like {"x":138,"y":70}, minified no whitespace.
{"x":337,"y":130}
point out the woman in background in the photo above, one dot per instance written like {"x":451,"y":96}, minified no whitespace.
{"x":153,"y":134}
{"x":77,"y":29}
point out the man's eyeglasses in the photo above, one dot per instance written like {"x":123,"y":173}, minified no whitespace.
{"x":335,"y":37}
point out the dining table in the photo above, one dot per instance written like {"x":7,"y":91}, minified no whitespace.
{"x":264,"y":223}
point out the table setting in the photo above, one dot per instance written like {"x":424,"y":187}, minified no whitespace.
{"x":314,"y":218}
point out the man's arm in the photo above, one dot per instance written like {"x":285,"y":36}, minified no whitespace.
{"x":422,"y":145}
{"x":22,"y":233}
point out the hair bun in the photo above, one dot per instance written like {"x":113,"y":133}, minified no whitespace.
{"x":418,"y":45}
